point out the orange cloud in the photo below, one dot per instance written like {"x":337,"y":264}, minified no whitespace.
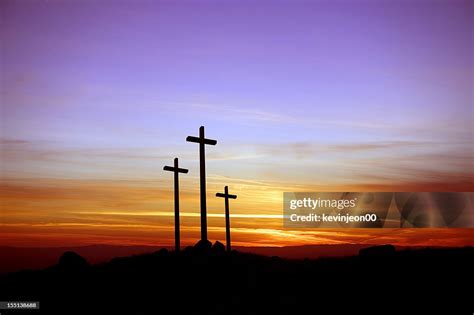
{"x":42,"y":212}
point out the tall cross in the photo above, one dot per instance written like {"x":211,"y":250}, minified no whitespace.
{"x":176,"y":171}
{"x":227,"y":218}
{"x":202,"y":172}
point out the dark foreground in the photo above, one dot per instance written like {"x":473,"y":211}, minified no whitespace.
{"x":210,"y":281}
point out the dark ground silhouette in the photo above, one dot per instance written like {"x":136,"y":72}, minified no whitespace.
{"x":207,"y":280}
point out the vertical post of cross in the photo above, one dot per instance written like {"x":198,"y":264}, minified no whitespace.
{"x":202,"y":174}
{"x":176,"y":170}
{"x":227,"y":196}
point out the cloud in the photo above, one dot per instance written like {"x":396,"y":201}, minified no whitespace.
{"x":240,"y":113}
{"x":252,"y":113}
{"x":4,"y":141}
{"x":310,"y":149}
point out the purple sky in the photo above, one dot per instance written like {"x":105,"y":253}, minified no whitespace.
{"x":296,"y":92}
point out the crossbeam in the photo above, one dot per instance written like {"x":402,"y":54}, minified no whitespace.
{"x":226,"y":196}
{"x":174,"y":169}
{"x":199,"y":140}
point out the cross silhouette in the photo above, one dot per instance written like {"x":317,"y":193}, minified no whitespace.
{"x":227,"y":196}
{"x":176,"y":171}
{"x":202,"y":172}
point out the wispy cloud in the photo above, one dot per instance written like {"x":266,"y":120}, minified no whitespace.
{"x":8,"y":142}
{"x":253,"y":113}
{"x":183,"y":214}
{"x":240,"y":113}
{"x":310,"y":149}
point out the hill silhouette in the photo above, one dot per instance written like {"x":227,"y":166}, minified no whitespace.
{"x":19,"y":258}
{"x":207,"y":280}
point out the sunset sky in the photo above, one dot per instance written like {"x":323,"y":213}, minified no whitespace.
{"x":97,"y":96}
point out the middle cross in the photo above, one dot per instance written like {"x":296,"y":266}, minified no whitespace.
{"x":202,"y":172}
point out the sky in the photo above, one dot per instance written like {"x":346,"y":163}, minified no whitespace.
{"x":96,"y":97}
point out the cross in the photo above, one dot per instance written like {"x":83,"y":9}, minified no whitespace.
{"x":176,"y":171}
{"x":202,"y":174}
{"x":227,"y":218}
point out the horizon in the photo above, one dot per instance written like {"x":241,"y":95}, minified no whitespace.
{"x":97,"y":98}
{"x":238,"y":247}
